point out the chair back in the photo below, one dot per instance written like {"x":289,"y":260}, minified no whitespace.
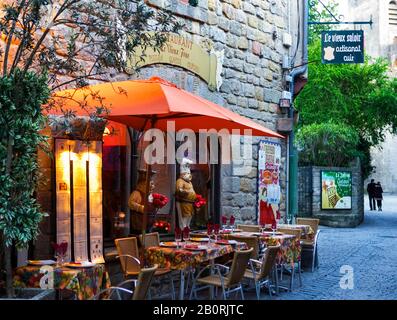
{"x":143,"y":284}
{"x":295,"y":232}
{"x":316,"y":236}
{"x":313,"y":223}
{"x":249,"y":227}
{"x":268,"y":261}
{"x":151,"y":240}
{"x":239,"y":265}
{"x":128,"y":246}
{"x":251,"y":241}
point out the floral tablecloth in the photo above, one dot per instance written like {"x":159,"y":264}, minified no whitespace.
{"x":290,"y":249}
{"x":84,"y":282}
{"x":179,"y":259}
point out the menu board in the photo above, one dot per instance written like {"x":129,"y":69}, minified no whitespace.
{"x":336,"y":190}
{"x":269,"y":194}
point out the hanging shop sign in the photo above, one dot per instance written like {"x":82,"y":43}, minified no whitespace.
{"x":342,"y":46}
{"x":336,"y":190}
{"x":182,"y":52}
{"x":269,"y":159}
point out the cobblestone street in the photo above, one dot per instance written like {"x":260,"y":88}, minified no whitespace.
{"x":369,"y":249}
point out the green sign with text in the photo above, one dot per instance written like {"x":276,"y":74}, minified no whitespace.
{"x":342,"y":46}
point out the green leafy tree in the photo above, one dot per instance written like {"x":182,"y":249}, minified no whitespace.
{"x":359,"y":96}
{"x":327,"y":144}
{"x":45,"y":46}
{"x":320,"y":13}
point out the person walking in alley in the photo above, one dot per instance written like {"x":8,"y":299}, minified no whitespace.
{"x":371,"y":190}
{"x":378,"y":195}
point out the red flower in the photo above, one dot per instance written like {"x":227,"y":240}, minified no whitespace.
{"x":224,"y":220}
{"x":159,"y":200}
{"x":60,"y":248}
{"x":200,"y":201}
{"x":232,"y":220}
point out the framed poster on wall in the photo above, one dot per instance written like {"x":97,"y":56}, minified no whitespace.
{"x":336,"y":190}
{"x":269,"y":194}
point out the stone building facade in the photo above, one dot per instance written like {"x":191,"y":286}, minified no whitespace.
{"x":380,"y":41}
{"x":252,"y":39}
{"x":251,"y":34}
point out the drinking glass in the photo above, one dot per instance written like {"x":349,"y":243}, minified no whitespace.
{"x":216,"y":231}
{"x":186,"y":234}
{"x":210,"y":228}
{"x":274,"y":228}
{"x":178,"y":236}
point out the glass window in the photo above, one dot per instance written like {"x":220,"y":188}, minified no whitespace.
{"x":116,"y":181}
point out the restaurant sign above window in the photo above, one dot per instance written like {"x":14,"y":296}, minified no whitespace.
{"x":342,"y":46}
{"x":182,"y":52}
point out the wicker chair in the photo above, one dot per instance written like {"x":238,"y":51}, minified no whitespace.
{"x":297,"y":233}
{"x":128,"y":254}
{"x":230,"y":282}
{"x":262,"y":275}
{"x":141,"y":288}
{"x":310,"y":249}
{"x":151,"y":240}
{"x":249,"y":227}
{"x":313,"y":223}
{"x":251,"y":241}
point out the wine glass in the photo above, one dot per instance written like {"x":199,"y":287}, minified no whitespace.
{"x":178,"y":236}
{"x":274,"y":228}
{"x":186,"y":234}
{"x":216,"y":231}
{"x":210,"y":227}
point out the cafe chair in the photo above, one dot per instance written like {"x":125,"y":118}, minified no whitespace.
{"x":251,"y":241}
{"x":249,"y":227}
{"x":309,"y":249}
{"x":151,"y":240}
{"x":262,"y":272}
{"x":313,"y":223}
{"x":228,"y":279}
{"x":295,"y":264}
{"x":128,"y":253}
{"x":141,"y":287}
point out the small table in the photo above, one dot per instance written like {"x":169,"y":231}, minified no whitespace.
{"x":84,"y":282}
{"x":182,"y":259}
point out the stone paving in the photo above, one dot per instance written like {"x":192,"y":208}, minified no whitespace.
{"x":370,"y":249}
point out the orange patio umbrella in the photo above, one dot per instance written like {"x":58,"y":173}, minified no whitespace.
{"x":145,"y":104}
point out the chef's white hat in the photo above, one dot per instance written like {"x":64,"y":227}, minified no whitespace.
{"x":185,"y":165}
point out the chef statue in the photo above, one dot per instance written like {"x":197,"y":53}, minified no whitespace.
{"x":136,"y":203}
{"x":185,"y":195}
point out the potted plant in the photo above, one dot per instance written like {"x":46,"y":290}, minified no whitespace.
{"x":35,"y":62}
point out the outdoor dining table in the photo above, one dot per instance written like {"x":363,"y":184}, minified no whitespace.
{"x":290,"y":248}
{"x":85,"y":282}
{"x":183,"y":258}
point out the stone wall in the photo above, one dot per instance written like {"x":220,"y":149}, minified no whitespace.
{"x":251,"y":34}
{"x":311,"y":196}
